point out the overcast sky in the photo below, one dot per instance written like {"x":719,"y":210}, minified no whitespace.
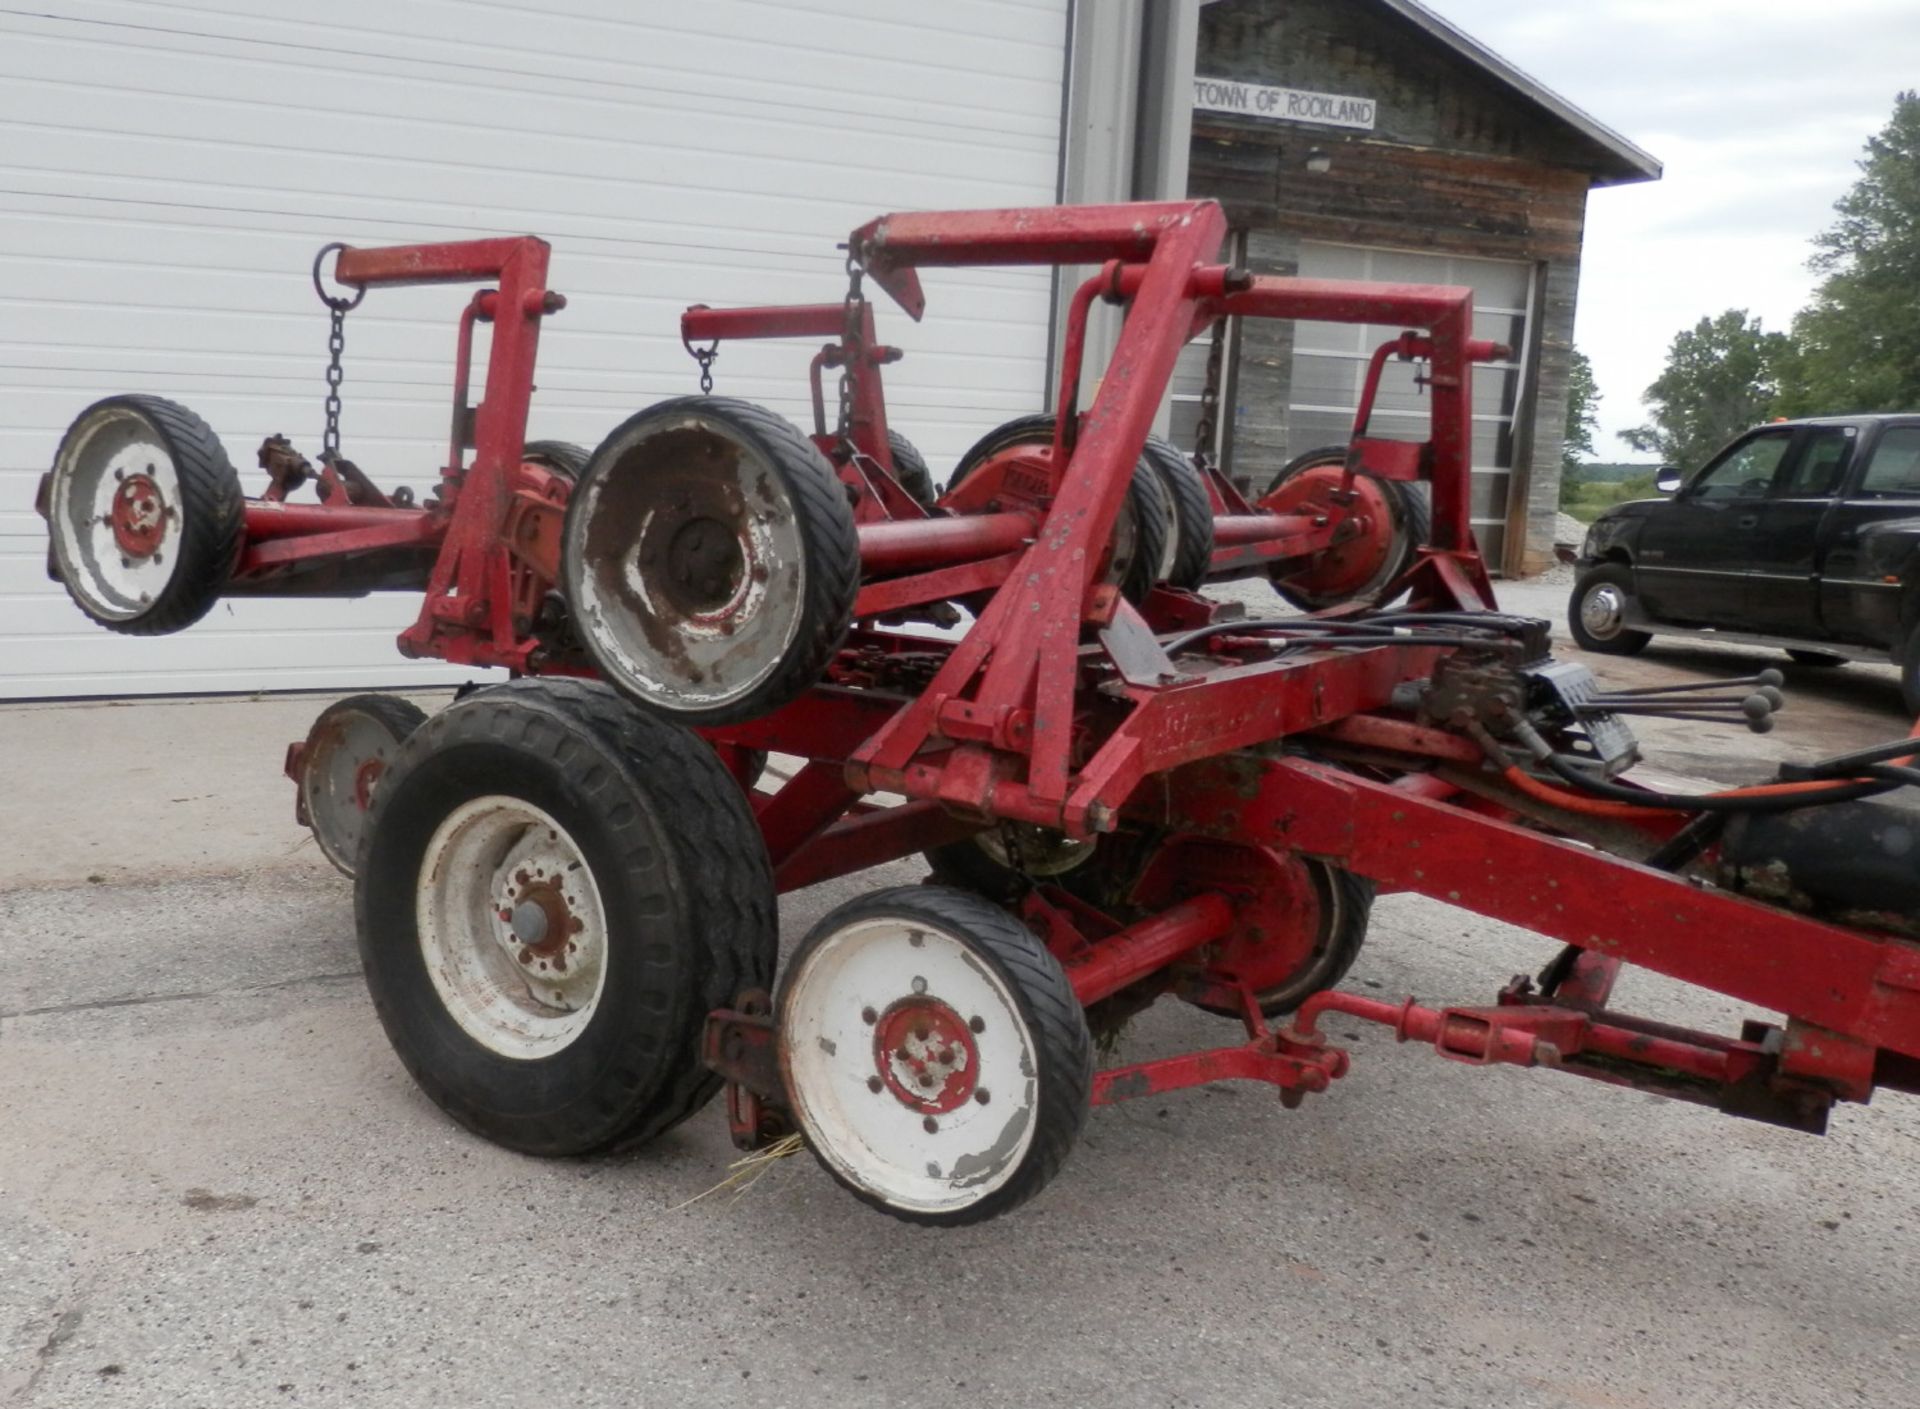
{"x":1758,"y":108}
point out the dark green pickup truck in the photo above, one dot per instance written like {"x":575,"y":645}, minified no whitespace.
{"x":1803,"y":535}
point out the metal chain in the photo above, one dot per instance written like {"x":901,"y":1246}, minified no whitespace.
{"x":336,"y":345}
{"x":851,"y":348}
{"x":338,"y":307}
{"x":1203,"y":430}
{"x":705,"y":356}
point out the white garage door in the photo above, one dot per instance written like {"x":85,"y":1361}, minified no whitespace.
{"x":169,"y":171}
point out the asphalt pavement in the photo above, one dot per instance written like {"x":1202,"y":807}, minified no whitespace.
{"x":217,"y":1186}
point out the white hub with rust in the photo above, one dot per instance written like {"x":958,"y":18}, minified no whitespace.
{"x":511,"y":927}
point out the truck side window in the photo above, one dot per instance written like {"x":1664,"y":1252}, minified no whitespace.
{"x":1894,"y":470}
{"x":1746,"y":471}
{"x":1823,"y":454}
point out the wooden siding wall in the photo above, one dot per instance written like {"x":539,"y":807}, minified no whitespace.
{"x":1454,"y":165}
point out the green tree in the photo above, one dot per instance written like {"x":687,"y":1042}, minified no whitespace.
{"x":1722,"y":376}
{"x":1583,"y":419}
{"x":1858,"y":342}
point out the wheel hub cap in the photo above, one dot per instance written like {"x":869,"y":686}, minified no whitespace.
{"x":511,"y":927}
{"x":1604,"y":610}
{"x":925,"y":1055}
{"x":138,"y":516}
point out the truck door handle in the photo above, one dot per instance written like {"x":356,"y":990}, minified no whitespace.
{"x":1749,"y":521}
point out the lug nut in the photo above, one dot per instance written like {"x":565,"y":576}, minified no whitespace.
{"x":983,"y":1095}
{"x":874,"y":1084}
{"x":869,"y":1017}
{"x":930,"y":1125}
{"x":977,"y":1024}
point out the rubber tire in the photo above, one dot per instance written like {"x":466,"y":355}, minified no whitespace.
{"x":563,"y":457}
{"x":1192,"y":512}
{"x":911,"y":470}
{"x":1063,"y":1048}
{"x":1415,"y":514}
{"x":831,"y":545}
{"x":685,"y":883}
{"x":1351,"y":900}
{"x":212,"y":517}
{"x":1626,"y":643}
{"x":1152,"y":508}
{"x":399,"y":717}
{"x":1816,"y":660}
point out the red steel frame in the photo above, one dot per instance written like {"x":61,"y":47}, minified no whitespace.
{"x":1060,"y":708}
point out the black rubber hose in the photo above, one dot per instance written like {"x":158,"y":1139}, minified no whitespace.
{"x":1707,"y":802}
{"x":1843,"y":763}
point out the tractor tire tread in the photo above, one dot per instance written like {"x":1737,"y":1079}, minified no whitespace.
{"x":563,"y":457}
{"x":911,"y":470}
{"x":1192,"y":509}
{"x":734,"y":878}
{"x":719,"y":864}
{"x":1149,"y":500}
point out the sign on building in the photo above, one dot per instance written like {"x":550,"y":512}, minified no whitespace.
{"x":1226,"y":95}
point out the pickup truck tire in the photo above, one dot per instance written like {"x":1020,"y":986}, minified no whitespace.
{"x":1596,"y":613}
{"x":1908,"y":660}
{"x":1819,"y":659}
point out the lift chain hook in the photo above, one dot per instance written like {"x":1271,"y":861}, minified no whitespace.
{"x":338,"y":307}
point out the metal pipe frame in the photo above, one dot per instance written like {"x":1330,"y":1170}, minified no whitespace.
{"x":1052,"y":710}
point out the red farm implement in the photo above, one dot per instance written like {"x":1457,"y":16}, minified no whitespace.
{"x":1126,"y":789}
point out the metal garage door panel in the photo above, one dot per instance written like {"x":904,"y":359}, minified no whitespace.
{"x":159,"y":242}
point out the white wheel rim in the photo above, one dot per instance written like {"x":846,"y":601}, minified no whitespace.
{"x":115,"y":461}
{"x":686,"y":655}
{"x":344,"y":761}
{"x":971,"y":1129}
{"x":1170,"y":548}
{"x":512,"y":928}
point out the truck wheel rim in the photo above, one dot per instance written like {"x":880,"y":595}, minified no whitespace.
{"x":910,"y":1067}
{"x":1603,"y":611}
{"x":116,"y":513}
{"x":691,"y":567}
{"x":511,"y":927}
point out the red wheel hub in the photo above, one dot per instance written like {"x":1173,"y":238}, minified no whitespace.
{"x":139,"y":516}
{"x":925,"y":1055}
{"x":1364,"y":541}
{"x":364,"y":779}
{"x":1280,"y":910}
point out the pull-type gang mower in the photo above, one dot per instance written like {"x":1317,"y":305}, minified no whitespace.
{"x":1126,"y":789}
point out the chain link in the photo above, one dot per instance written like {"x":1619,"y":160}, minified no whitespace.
{"x":338,"y":307}
{"x":851,"y":347}
{"x":705,"y":356}
{"x":336,"y":345}
{"x":1203,"y":431}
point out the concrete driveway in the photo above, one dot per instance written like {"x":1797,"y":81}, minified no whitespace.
{"x":218,"y":1187}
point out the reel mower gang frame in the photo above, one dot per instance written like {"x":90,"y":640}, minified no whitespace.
{"x":1070,"y":708}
